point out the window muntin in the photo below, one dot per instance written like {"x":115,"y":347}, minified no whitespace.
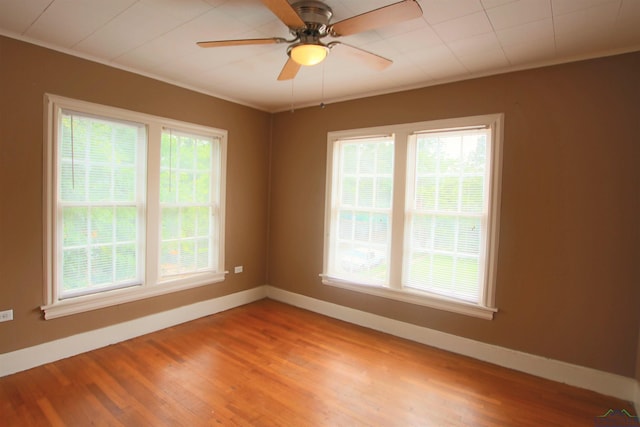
{"x":103,"y":217}
{"x":443,"y":231}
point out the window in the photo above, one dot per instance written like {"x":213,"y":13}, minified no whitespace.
{"x":134,"y":206}
{"x":412,"y":212}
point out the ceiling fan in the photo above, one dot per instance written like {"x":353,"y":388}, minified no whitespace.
{"x":309,"y":21}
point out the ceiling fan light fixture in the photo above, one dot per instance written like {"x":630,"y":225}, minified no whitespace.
{"x":309,"y":53}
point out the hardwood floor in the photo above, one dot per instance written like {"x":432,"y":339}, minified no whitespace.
{"x":269,"y":364}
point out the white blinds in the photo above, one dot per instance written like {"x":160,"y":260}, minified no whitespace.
{"x":447,"y":213}
{"x":189,"y":166}
{"x":100,"y":201}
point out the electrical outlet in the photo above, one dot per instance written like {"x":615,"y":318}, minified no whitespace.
{"x":238,"y":269}
{"x":6,"y":315}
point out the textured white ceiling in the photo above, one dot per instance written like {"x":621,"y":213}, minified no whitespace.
{"x":454,"y":40}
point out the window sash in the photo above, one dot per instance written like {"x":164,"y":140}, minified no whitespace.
{"x":361,"y":210}
{"x":192,"y":227}
{"x":450,"y":258}
{"x":88,"y":259}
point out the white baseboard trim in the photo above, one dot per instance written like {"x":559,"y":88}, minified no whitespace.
{"x":579,"y":376}
{"x":636,"y":401}
{"x":40,"y":354}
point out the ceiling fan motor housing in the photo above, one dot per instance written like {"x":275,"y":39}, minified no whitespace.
{"x":316,"y":15}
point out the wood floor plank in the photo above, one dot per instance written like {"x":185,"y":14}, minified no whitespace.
{"x":269,"y":364}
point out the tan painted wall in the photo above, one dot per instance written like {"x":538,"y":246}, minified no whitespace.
{"x":567,"y":279}
{"x":26,"y":73}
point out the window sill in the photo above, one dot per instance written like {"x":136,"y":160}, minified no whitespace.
{"x":424,"y":299}
{"x":84,"y":303}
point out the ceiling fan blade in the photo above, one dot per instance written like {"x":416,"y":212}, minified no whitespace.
{"x":387,"y":15}
{"x":371,"y":59}
{"x":289,"y":70}
{"x":240,"y":42}
{"x":283,"y":10}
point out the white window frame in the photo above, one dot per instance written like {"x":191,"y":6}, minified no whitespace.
{"x":54,"y":306}
{"x":486,"y":307}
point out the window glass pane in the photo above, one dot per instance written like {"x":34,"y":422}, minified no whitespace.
{"x":122,"y":189}
{"x":427,"y":156}
{"x":187,"y":202}
{"x":349,"y":159}
{"x":75,"y":268}
{"x":101,"y":225}
{"x":422,"y":230}
{"x":384,"y":159}
{"x":100,"y":180}
{"x":203,"y":254}
{"x":170,"y":223}
{"x":420,"y":269}
{"x":100,"y":195}
{"x":73,"y":185}
{"x":448,"y":193}
{"x":126,"y":262}
{"x":126,"y":224}
{"x":168,"y":193}
{"x":169,"y":257}
{"x":101,"y":264}
{"x":469,"y":235}
{"x":367,"y":158}
{"x":204,"y":221}
{"x":442,"y":273}
{"x":384,"y":192}
{"x":75,"y":224}
{"x":426,"y":192}
{"x":203,"y":155}
{"x":467,"y":277}
{"x":444,"y":233}
{"x":188,"y":222}
{"x":349,"y":191}
{"x":380,"y":228}
{"x":473,"y":194}
{"x":474,"y":153}
{"x":185,"y":186}
{"x":202,"y":187}
{"x":187,"y":255}
{"x":186,"y":153}
{"x":448,"y":154}
{"x":365,"y":192}
{"x":362,"y":227}
{"x":345,"y":225}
